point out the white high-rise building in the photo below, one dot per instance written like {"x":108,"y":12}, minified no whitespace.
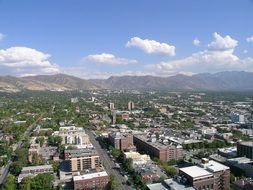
{"x":130,"y":106}
{"x":111,"y":106}
{"x":237,"y":118}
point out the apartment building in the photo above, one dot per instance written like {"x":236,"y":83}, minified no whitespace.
{"x":156,"y":149}
{"x":32,"y":171}
{"x":82,"y":159}
{"x":245,"y":148}
{"x":91,"y":181}
{"x":72,"y":135}
{"x":121,"y":141}
{"x":208,"y":175}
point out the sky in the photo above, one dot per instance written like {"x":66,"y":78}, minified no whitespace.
{"x":98,"y":38}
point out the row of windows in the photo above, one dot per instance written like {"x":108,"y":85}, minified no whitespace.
{"x":206,"y":187}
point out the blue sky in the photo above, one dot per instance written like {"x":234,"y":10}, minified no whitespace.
{"x":97,"y":39}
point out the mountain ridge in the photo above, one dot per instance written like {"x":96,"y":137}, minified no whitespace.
{"x":228,"y":80}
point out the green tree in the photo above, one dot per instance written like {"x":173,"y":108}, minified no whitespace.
{"x":37,"y":160}
{"x":25,"y":184}
{"x":22,"y":155}
{"x":128,"y":165}
{"x":54,"y":141}
{"x":170,"y":170}
{"x":42,"y":181}
{"x":112,"y":185}
{"x":116,"y":153}
{"x":55,"y":165}
{"x":10,"y":183}
{"x":40,"y":140}
{"x":16,"y":168}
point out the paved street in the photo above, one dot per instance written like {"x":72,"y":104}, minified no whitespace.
{"x":19,"y":145}
{"x":108,"y":163}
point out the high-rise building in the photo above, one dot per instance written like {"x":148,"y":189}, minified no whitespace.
{"x":130,"y":106}
{"x":114,"y":117}
{"x":111,"y":106}
{"x":82,"y":159}
{"x":237,"y":118}
{"x":244,"y":148}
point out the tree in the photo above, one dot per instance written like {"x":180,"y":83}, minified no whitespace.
{"x":22,"y":155}
{"x":55,"y":165}
{"x":170,"y":170}
{"x":128,"y":165}
{"x":40,"y":140}
{"x":172,"y":162}
{"x":10,"y":183}
{"x":16,"y":168}
{"x":37,"y":160}
{"x":116,"y":153}
{"x":112,"y":185}
{"x":42,"y":181}
{"x":54,"y":141}
{"x":25,"y":184}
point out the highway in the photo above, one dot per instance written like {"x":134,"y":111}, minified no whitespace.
{"x":108,"y":163}
{"x":27,"y":133}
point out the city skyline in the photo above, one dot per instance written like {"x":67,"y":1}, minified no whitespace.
{"x":99,"y":39}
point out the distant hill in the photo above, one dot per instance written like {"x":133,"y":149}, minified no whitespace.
{"x":234,"y":80}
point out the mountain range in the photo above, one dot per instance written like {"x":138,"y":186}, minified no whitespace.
{"x":229,"y":80}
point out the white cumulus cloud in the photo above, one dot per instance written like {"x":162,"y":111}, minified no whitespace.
{"x":25,"y":61}
{"x":107,"y":58}
{"x":152,"y":46}
{"x":222,"y":43}
{"x":196,"y":42}
{"x":249,"y":39}
{"x":219,"y":56}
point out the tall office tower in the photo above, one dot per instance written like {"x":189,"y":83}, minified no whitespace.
{"x":113,"y":117}
{"x":111,"y":106}
{"x":130,"y":106}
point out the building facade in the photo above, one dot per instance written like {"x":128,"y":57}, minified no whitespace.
{"x":91,"y":181}
{"x":154,"y":149}
{"x":121,"y":141}
{"x":130,"y":106}
{"x":245,"y":149}
{"x":82,"y":159}
{"x":72,"y":135}
{"x":32,"y":171}
{"x":208,"y":175}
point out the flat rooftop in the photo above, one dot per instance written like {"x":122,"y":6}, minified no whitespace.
{"x":246,"y":143}
{"x":214,"y":166}
{"x":196,"y":172}
{"x":177,"y":186}
{"x":90,"y":176}
{"x":240,"y":160}
{"x":156,"y":186}
{"x":81,"y":152}
{"x":36,"y":167}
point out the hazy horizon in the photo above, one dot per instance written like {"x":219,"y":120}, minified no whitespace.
{"x":94,"y":39}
